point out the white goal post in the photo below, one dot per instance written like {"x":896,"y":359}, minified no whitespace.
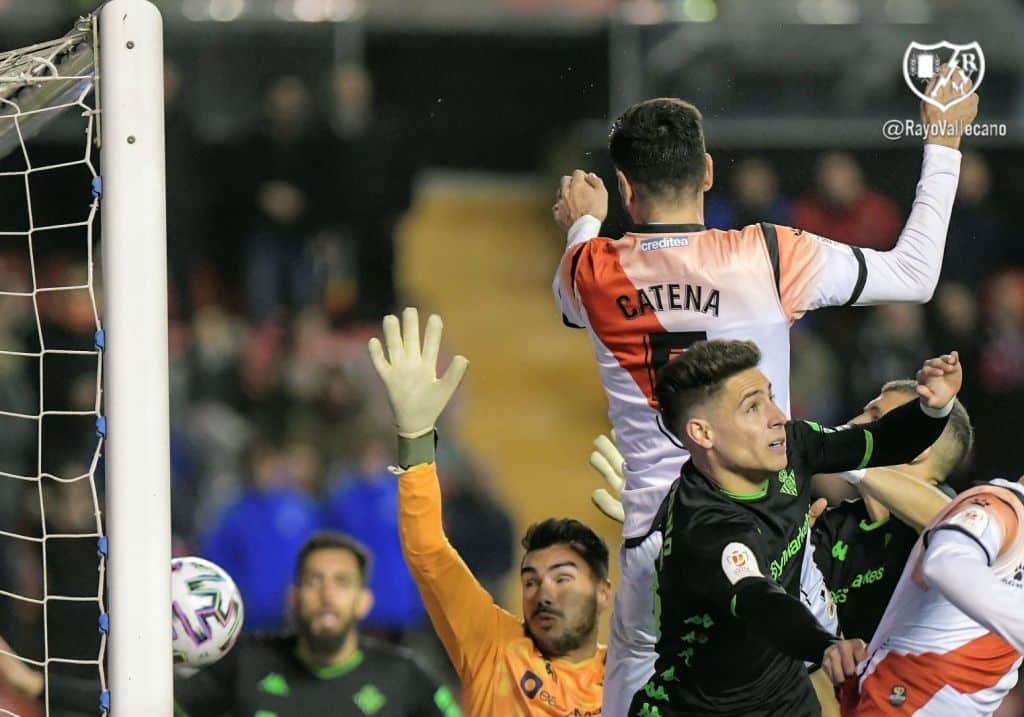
{"x":130,"y":99}
{"x":109,"y":70}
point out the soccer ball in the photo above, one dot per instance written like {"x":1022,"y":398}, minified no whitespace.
{"x":206,"y":611}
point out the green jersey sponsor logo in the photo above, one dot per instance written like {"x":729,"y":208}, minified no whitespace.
{"x":369,"y":700}
{"x":275,"y":684}
{"x":446,"y":702}
{"x":791,"y":550}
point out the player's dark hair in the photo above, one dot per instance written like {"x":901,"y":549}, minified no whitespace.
{"x":659,"y":145}
{"x":573,"y":534}
{"x":698,"y":375}
{"x":330,"y":540}
{"x":958,"y":436}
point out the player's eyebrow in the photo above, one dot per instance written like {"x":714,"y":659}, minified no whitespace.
{"x":565,"y":564}
{"x":753,"y":392}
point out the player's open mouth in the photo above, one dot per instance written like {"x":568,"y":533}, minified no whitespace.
{"x":778,"y":445}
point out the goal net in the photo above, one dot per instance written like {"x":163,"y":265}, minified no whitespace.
{"x":83,"y":326}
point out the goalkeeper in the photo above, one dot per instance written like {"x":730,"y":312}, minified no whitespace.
{"x":548,"y":663}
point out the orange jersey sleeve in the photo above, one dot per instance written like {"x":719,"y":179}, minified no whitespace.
{"x":501,"y":670}
{"x":815,"y":272}
{"x":471,"y":626}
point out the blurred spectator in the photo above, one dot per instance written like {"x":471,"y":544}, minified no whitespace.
{"x":999,"y":449}
{"x":890,"y":344}
{"x":282,"y":179}
{"x":364,"y":505}
{"x":188,"y":196}
{"x":814,"y":376}
{"x":755,"y":197}
{"x":976,"y":242}
{"x":258,"y":536}
{"x":378,"y":159}
{"x":845,"y":210}
{"x":478,"y":526}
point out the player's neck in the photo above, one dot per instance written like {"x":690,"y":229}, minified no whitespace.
{"x":583,"y":652}
{"x":347,"y":650}
{"x":729,"y":481}
{"x":687,"y":213}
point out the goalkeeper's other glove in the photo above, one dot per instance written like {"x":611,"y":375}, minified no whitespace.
{"x":409,"y":373}
{"x":607,"y":461}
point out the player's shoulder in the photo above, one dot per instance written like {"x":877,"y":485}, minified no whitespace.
{"x":401,"y":662}
{"x":384,"y":652}
{"x":709,"y":513}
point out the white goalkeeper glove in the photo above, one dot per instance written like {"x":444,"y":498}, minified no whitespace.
{"x":409,"y":374}
{"x":607,"y":461}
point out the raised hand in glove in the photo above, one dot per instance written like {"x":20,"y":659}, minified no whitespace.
{"x":409,"y":372}
{"x":607,"y":461}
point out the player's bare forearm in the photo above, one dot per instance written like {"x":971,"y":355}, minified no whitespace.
{"x":912,"y":500}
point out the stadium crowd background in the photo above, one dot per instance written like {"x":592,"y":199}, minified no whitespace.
{"x":332,"y":186}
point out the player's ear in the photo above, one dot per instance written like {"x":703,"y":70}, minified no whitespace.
{"x":364,"y":604}
{"x":709,"y":173}
{"x":698,"y":431}
{"x":625,"y":188}
{"x":604,"y":595}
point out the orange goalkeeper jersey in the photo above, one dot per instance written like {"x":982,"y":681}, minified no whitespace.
{"x":502,"y":672}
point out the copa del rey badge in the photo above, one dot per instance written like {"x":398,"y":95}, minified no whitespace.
{"x":961,"y":67}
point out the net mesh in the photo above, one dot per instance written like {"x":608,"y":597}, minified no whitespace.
{"x":52,"y":430}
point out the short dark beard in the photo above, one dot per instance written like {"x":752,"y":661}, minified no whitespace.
{"x":574,"y":636}
{"x":325,"y":644}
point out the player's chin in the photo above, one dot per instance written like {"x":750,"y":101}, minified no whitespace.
{"x":775,"y":461}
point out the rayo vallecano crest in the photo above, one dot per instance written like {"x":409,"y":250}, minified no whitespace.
{"x":960,"y":67}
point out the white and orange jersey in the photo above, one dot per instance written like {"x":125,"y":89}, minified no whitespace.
{"x":929,"y":657}
{"x":648,"y":296}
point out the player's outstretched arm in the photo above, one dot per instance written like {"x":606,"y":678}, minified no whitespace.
{"x":462,"y":612}
{"x":910,"y":270}
{"x":910,"y":499}
{"x":816,"y":273}
{"x":897,"y":437}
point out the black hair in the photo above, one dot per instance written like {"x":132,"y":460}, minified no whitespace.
{"x":329,"y":540}
{"x":659,"y":145}
{"x":698,"y":375}
{"x":574,"y":534}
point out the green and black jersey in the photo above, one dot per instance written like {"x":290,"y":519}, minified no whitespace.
{"x":263,"y":677}
{"x":861,"y":561}
{"x":723,"y":647}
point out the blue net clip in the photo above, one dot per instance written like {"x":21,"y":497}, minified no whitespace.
{"x":101,"y":546}
{"x":100,"y":340}
{"x":97,"y":186}
{"x":101,"y":426}
{"x":104,"y":701}
{"x":104,"y":623}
